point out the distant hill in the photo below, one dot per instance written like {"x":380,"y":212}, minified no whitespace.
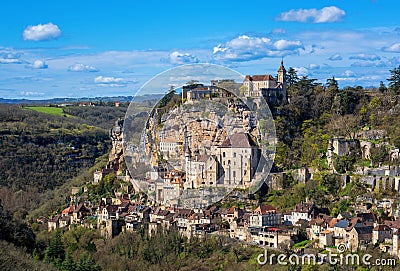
{"x":121,"y":99}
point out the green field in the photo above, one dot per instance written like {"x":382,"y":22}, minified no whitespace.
{"x":48,"y":110}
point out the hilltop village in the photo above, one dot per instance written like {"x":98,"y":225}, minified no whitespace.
{"x":201,"y":155}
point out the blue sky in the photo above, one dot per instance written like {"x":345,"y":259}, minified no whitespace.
{"x":106,"y":48}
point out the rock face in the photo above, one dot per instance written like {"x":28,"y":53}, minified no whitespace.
{"x":116,"y":157}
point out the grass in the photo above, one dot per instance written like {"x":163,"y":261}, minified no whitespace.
{"x":48,"y":110}
{"x":301,"y":244}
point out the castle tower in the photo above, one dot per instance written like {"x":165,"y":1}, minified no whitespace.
{"x":282,"y":74}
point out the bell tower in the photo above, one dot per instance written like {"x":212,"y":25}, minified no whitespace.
{"x":282,"y":74}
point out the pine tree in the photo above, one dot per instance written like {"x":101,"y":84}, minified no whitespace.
{"x":55,"y":252}
{"x":394,"y":80}
{"x":68,"y":264}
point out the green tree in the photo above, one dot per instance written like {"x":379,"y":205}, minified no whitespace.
{"x":382,"y":88}
{"x":87,"y":263}
{"x":55,"y":252}
{"x":394,"y":80}
{"x":332,"y":85}
{"x":68,"y":264}
{"x":291,"y":77}
{"x":379,"y":154}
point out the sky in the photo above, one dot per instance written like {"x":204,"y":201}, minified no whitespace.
{"x":98,"y":48}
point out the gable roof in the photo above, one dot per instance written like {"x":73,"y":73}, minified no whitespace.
{"x":333,"y":222}
{"x":264,"y":209}
{"x":68,"y":210}
{"x":263,"y":77}
{"x":112,"y":208}
{"x":382,"y":227}
{"x":370,"y":217}
{"x":239,"y":140}
{"x":342,"y":224}
{"x":304,"y":207}
{"x":392,"y":224}
{"x":81,"y":208}
{"x":364,"y":229}
{"x":355,"y":220}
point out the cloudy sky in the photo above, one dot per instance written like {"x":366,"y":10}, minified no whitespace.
{"x":107,"y":48}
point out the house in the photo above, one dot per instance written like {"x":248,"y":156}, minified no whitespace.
{"x":265,"y":215}
{"x":64,"y":221}
{"x":326,"y":238}
{"x":318,"y":225}
{"x":269,"y":236}
{"x":303,"y":210}
{"x":182,"y":219}
{"x":157,"y":214}
{"x":201,"y":169}
{"x":169,"y":189}
{"x":232,"y":213}
{"x":359,"y":236}
{"x":142,"y":213}
{"x":106,"y":213}
{"x":339,"y":231}
{"x":238,"y":228}
{"x":380,"y":233}
{"x":79,"y":213}
{"x":170,"y":148}
{"x":53,"y":223}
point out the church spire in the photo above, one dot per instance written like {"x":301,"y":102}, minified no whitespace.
{"x":282,"y":68}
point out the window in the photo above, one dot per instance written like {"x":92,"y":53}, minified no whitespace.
{"x":234,"y":174}
{"x":234,"y":154}
{"x":223,"y":154}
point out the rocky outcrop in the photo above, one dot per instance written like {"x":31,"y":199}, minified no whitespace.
{"x":116,"y":158}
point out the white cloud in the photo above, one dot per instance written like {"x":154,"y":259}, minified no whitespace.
{"x":7,"y":57}
{"x":246,"y":48}
{"x":106,"y":80}
{"x":369,"y":79}
{"x":182,"y":58}
{"x":109,"y":81}
{"x":278,"y":31}
{"x":31,"y":93}
{"x":325,"y":15}
{"x":79,"y":67}
{"x":38,"y":64}
{"x":349,"y":73}
{"x":370,"y":57}
{"x":287,"y":45}
{"x":41,"y":32}
{"x":394,"y":48}
{"x":335,"y":57}
{"x":10,"y":61}
{"x":301,"y":71}
{"x":313,"y":66}
{"x":368,"y":64}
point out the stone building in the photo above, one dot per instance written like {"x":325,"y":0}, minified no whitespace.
{"x":272,"y":89}
{"x":238,"y":158}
